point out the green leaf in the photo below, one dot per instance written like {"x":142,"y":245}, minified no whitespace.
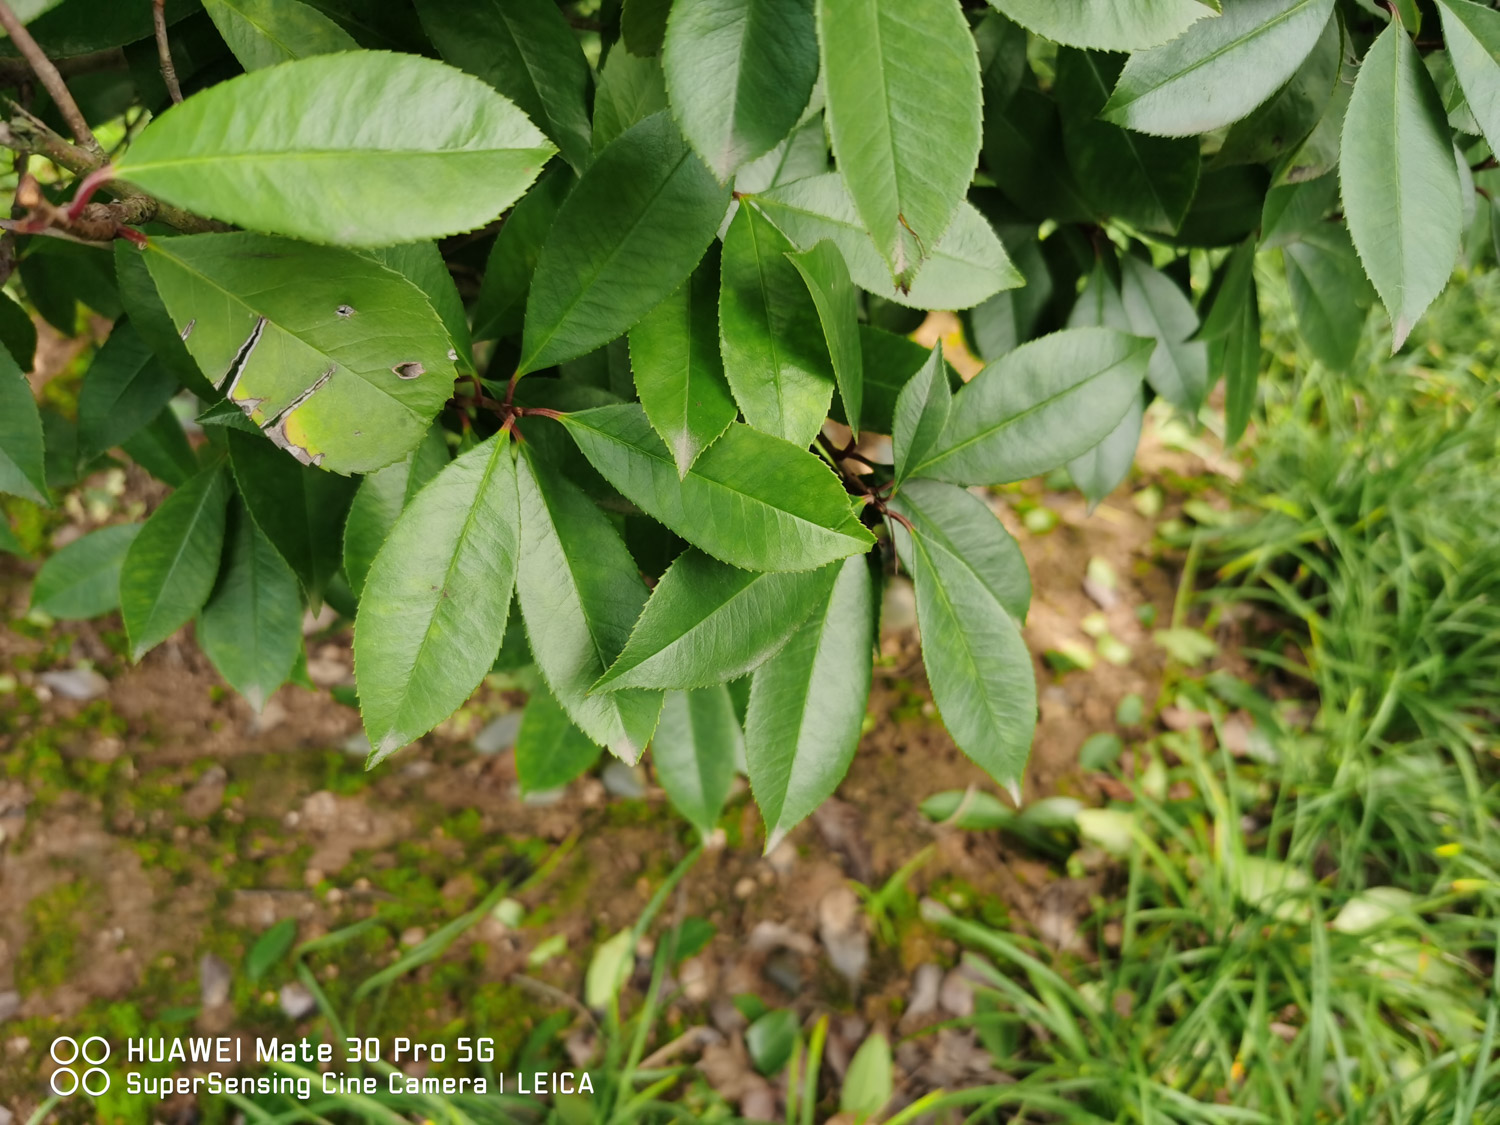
{"x":968,"y":265}
{"x":17,"y":332}
{"x":249,"y":152}
{"x":270,"y":948}
{"x":804,"y":153}
{"x":8,"y":541}
{"x":1104,"y":468}
{"x":380,"y":500}
{"x":977,"y":664}
{"x":1232,"y":329}
{"x":679,"y":375}
{"x":889,"y":362}
{"x":1100,"y":304}
{"x":251,"y":627}
{"x":631,"y":89}
{"x":161,"y":448}
{"x":1293,"y":210}
{"x":695,"y":750}
{"x":550,"y":750}
{"x":1023,"y":151}
{"x":83,"y":579}
{"x":500,"y":308}
{"x":266,"y":32}
{"x":1280,"y":126}
{"x":28,"y":10}
{"x":22,"y":466}
{"x":1219,"y":70}
{"x":870,"y":1081}
{"x":922,"y":411}
{"x":124,"y":389}
{"x":628,"y":235}
{"x":739,"y":74}
{"x":807,"y":705}
{"x":707,"y":623}
{"x":432,"y":615}
{"x":1318,"y":154}
{"x":92,"y":25}
{"x":827,"y":276}
{"x":643,"y":25}
{"x":1331,"y":296}
{"x":143,"y":305}
{"x":169,"y":569}
{"x":956,"y":524}
{"x":341,"y":361}
{"x":771,"y":1040}
{"x":527,"y":51}
{"x":775,"y":356}
{"x":1009,"y":319}
{"x":1146,"y":181}
{"x":422,"y":264}
{"x":752,"y":500}
{"x":1106,"y":25}
{"x":299,"y":508}
{"x":902,"y":84}
{"x":1157,"y":309}
{"x":580,"y":593}
{"x":1400,"y":182}
{"x":1471,"y":32}
{"x":1038,"y":407}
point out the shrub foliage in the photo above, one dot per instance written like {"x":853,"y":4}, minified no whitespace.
{"x":575,"y":334}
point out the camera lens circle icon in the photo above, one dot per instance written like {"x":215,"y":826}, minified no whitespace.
{"x":64,"y":1081}
{"x":95,"y":1081}
{"x":72,"y":1043}
{"x":66,"y":1051}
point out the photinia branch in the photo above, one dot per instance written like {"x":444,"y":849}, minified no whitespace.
{"x":164,"y":50}
{"x":27,"y":134}
{"x":42,"y":67}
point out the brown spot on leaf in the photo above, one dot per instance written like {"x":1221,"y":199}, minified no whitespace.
{"x":409,"y":370}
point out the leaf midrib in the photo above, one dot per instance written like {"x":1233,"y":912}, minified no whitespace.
{"x":463,"y":536}
{"x":1213,"y":56}
{"x":940,"y":591}
{"x":949,"y":451}
{"x":667,"y":460}
{"x":618,"y":669}
{"x":182,"y":543}
{"x":593,"y":276}
{"x":379,"y":155}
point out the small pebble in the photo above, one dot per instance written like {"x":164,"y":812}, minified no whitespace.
{"x":213,"y":981}
{"x":81,"y":683}
{"x":498,"y":734}
{"x":296,"y":1001}
{"x":627,"y":782}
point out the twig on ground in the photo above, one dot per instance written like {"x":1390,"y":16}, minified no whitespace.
{"x":42,"y":67}
{"x":164,"y":50}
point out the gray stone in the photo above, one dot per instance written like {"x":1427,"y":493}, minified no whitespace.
{"x":214,"y":977}
{"x":296,"y":1001}
{"x":81,"y":683}
{"x":627,"y":782}
{"x":498,"y":733}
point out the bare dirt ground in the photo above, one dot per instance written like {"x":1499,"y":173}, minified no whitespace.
{"x":150,"y":832}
